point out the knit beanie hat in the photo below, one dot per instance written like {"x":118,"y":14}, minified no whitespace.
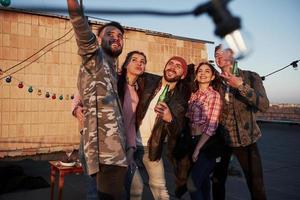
{"x":182,"y":61}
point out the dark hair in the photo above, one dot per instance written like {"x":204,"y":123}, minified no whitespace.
{"x":129,"y":56}
{"x":218,"y":47}
{"x":187,"y":82}
{"x":215,"y":83}
{"x":122,"y":76}
{"x":115,"y":24}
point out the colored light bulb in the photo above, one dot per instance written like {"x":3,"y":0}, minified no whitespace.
{"x":67,"y":97}
{"x":61,"y":97}
{"x":72,"y":96}
{"x":53,"y":96}
{"x":20,"y":85}
{"x":39,"y":92}
{"x":30,"y":90}
{"x":5,"y":3}
{"x":47,"y":95}
{"x":8,"y":79}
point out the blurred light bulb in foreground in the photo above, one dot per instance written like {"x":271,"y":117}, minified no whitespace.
{"x":237,"y":43}
{"x":227,"y":27}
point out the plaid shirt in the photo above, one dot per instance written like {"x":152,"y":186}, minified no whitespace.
{"x":204,"y":110}
{"x":227,"y":117}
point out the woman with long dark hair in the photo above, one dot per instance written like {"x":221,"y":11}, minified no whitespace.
{"x":203,"y":113}
{"x":133,"y":66}
{"x":129,"y":83}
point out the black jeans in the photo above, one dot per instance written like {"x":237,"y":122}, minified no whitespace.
{"x":250,"y":162}
{"x":110,"y":182}
{"x":198,"y":183}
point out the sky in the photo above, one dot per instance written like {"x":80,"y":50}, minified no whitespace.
{"x":272,"y":30}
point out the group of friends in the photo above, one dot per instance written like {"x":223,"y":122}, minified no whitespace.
{"x":206,"y":117}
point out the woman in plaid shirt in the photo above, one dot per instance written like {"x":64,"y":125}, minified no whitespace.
{"x":203,"y":113}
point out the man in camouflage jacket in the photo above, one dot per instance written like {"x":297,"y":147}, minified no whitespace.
{"x":103,"y":129}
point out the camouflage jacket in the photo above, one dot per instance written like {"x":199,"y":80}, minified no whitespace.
{"x":103,"y":131}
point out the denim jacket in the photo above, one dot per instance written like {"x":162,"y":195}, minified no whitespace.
{"x":247,"y":100}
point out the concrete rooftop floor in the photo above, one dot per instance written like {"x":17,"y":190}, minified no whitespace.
{"x":280,"y":152}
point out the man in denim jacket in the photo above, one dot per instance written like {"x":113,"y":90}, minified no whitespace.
{"x":243,"y":95}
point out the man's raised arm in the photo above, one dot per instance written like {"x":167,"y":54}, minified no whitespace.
{"x":85,"y":38}
{"x":74,"y":8}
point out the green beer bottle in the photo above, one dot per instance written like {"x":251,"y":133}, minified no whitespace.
{"x":235,"y":69}
{"x":163,"y":96}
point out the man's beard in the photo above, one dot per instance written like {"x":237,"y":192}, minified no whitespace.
{"x":109,"y":51}
{"x":171,"y":80}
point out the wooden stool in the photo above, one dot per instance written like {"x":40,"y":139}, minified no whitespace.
{"x":62,"y":171}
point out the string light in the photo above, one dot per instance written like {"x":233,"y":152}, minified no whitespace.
{"x":5,"y":3}
{"x":39,"y":92}
{"x":8,"y":79}
{"x":294,"y":64}
{"x":36,"y":53}
{"x":21,"y":84}
{"x":30,"y":90}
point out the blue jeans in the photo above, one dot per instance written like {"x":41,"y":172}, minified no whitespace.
{"x":198,"y":183}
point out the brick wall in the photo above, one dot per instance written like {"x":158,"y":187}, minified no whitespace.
{"x":281,"y":112}
{"x":32,"y":124}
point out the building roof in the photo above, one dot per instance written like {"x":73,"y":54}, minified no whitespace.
{"x":101,"y":22}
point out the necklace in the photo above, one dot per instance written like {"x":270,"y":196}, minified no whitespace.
{"x":128,"y":82}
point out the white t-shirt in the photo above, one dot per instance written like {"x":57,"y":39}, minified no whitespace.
{"x":144,"y":132}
